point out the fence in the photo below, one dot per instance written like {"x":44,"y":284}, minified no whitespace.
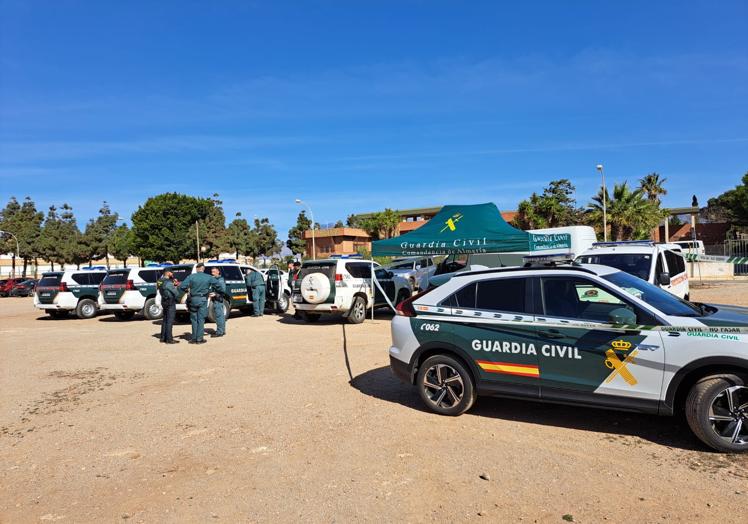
{"x":737,"y":248}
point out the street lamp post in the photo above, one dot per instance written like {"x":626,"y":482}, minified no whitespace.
{"x":605,"y":204}
{"x":314,"y":247}
{"x":18,"y":250}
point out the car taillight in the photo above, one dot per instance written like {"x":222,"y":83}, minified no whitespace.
{"x":63,"y":286}
{"x":406,"y":308}
{"x":130,"y":286}
{"x":339,"y":280}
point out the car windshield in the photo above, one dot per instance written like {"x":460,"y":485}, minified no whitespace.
{"x":654,"y":296}
{"x":637,"y":264}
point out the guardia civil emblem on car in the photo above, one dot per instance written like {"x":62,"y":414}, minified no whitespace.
{"x":589,"y":335}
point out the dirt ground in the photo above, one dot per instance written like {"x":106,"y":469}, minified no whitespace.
{"x":100,"y":422}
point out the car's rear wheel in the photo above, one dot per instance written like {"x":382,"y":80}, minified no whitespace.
{"x":445,"y":386}
{"x":309,"y":317}
{"x":357,"y":313}
{"x":226,"y":311}
{"x":152,"y":310}
{"x":86,"y":308}
{"x":717,"y":412}
{"x":124,"y":315}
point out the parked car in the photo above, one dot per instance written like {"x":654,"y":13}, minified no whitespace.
{"x":662,"y":265}
{"x":131,"y":290}
{"x":691,"y":247}
{"x":7,"y":285}
{"x":586,"y":335}
{"x":60,"y":292}
{"x":334,"y":286}
{"x":23,"y":289}
{"x":416,"y":270}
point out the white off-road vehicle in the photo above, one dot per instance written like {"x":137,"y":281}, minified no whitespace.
{"x":60,"y":292}
{"x":662,"y":265}
{"x":344,"y":286}
{"x":131,"y":290}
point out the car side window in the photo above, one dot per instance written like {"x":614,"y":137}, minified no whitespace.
{"x":578,"y":298}
{"x":150,"y":276}
{"x":675,"y":263}
{"x":658,"y":267}
{"x":80,"y":278}
{"x":464,"y":297}
{"x":504,"y":294}
{"x":96,"y":278}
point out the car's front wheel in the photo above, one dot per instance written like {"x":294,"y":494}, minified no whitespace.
{"x":282,"y":303}
{"x":717,"y":412}
{"x":445,"y":386}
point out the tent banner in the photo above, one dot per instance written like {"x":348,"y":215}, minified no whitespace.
{"x":544,"y":242}
{"x":465,"y":229}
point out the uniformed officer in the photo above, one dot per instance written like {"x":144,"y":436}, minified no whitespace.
{"x":168,"y":292}
{"x":256,"y":284}
{"x":199,"y":285}
{"x":293,"y":275}
{"x":218,"y":294}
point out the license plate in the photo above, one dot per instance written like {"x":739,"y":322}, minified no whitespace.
{"x":46,"y":294}
{"x":298,"y":299}
{"x":111,"y":293}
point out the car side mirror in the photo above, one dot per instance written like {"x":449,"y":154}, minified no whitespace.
{"x":622,"y":316}
{"x":663,"y":279}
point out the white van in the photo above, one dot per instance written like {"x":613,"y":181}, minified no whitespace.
{"x":691,"y":247}
{"x":660,"y":264}
{"x":582,"y":238}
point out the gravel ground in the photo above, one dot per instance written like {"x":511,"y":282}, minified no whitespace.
{"x":99,"y":422}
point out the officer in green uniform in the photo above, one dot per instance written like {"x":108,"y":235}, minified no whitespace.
{"x":293,"y":275}
{"x":168,"y":292}
{"x":256,"y":284}
{"x":199,"y":285}
{"x":218,"y":294}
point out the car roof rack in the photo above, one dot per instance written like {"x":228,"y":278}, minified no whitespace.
{"x":548,"y":260}
{"x":94,"y":268}
{"x":613,"y":243}
{"x":354,"y":255}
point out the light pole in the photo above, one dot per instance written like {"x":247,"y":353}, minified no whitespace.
{"x":314,"y":247}
{"x":18,"y":251}
{"x":605,"y":204}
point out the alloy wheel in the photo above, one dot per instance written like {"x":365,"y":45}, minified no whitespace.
{"x":728,"y":415}
{"x":443,"y":385}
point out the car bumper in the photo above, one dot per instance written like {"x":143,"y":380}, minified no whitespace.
{"x":401,"y":370}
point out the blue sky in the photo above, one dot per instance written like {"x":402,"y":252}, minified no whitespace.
{"x":357,"y":106}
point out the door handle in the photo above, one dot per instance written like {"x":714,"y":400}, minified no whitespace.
{"x":553,"y":333}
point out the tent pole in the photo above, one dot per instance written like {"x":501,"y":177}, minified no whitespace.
{"x":373,"y":292}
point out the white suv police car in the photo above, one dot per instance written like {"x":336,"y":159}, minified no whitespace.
{"x":587,"y":335}
{"x":60,"y":292}
{"x":344,"y":286}
{"x":131,"y":290}
{"x":660,"y":264}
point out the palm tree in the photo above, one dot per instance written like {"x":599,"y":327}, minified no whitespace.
{"x":652,"y":185}
{"x":630,"y":214}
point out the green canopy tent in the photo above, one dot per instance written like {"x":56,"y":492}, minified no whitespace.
{"x":478,"y":228}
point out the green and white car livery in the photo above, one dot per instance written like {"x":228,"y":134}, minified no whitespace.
{"x":588,"y":335}
{"x":131,"y":290}
{"x":60,"y":292}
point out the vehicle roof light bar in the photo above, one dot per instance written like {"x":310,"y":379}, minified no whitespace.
{"x":624,"y":243}
{"x":548,"y":260}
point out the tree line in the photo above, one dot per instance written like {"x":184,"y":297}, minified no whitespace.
{"x":167,"y":227}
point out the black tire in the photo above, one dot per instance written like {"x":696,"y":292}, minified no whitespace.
{"x":309,"y":317}
{"x":451,"y":391}
{"x":124,"y":315}
{"x":281,"y":306}
{"x":86,"y":308}
{"x":152,"y":310}
{"x":709,"y":416}
{"x":357,"y":313}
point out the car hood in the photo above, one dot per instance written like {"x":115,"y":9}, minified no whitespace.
{"x":726,"y":315}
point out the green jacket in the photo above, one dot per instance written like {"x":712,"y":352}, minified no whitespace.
{"x":167,"y":288}
{"x":219,"y":288}
{"x":254,"y":279}
{"x":198,"y":283}
{"x":291,"y":275}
